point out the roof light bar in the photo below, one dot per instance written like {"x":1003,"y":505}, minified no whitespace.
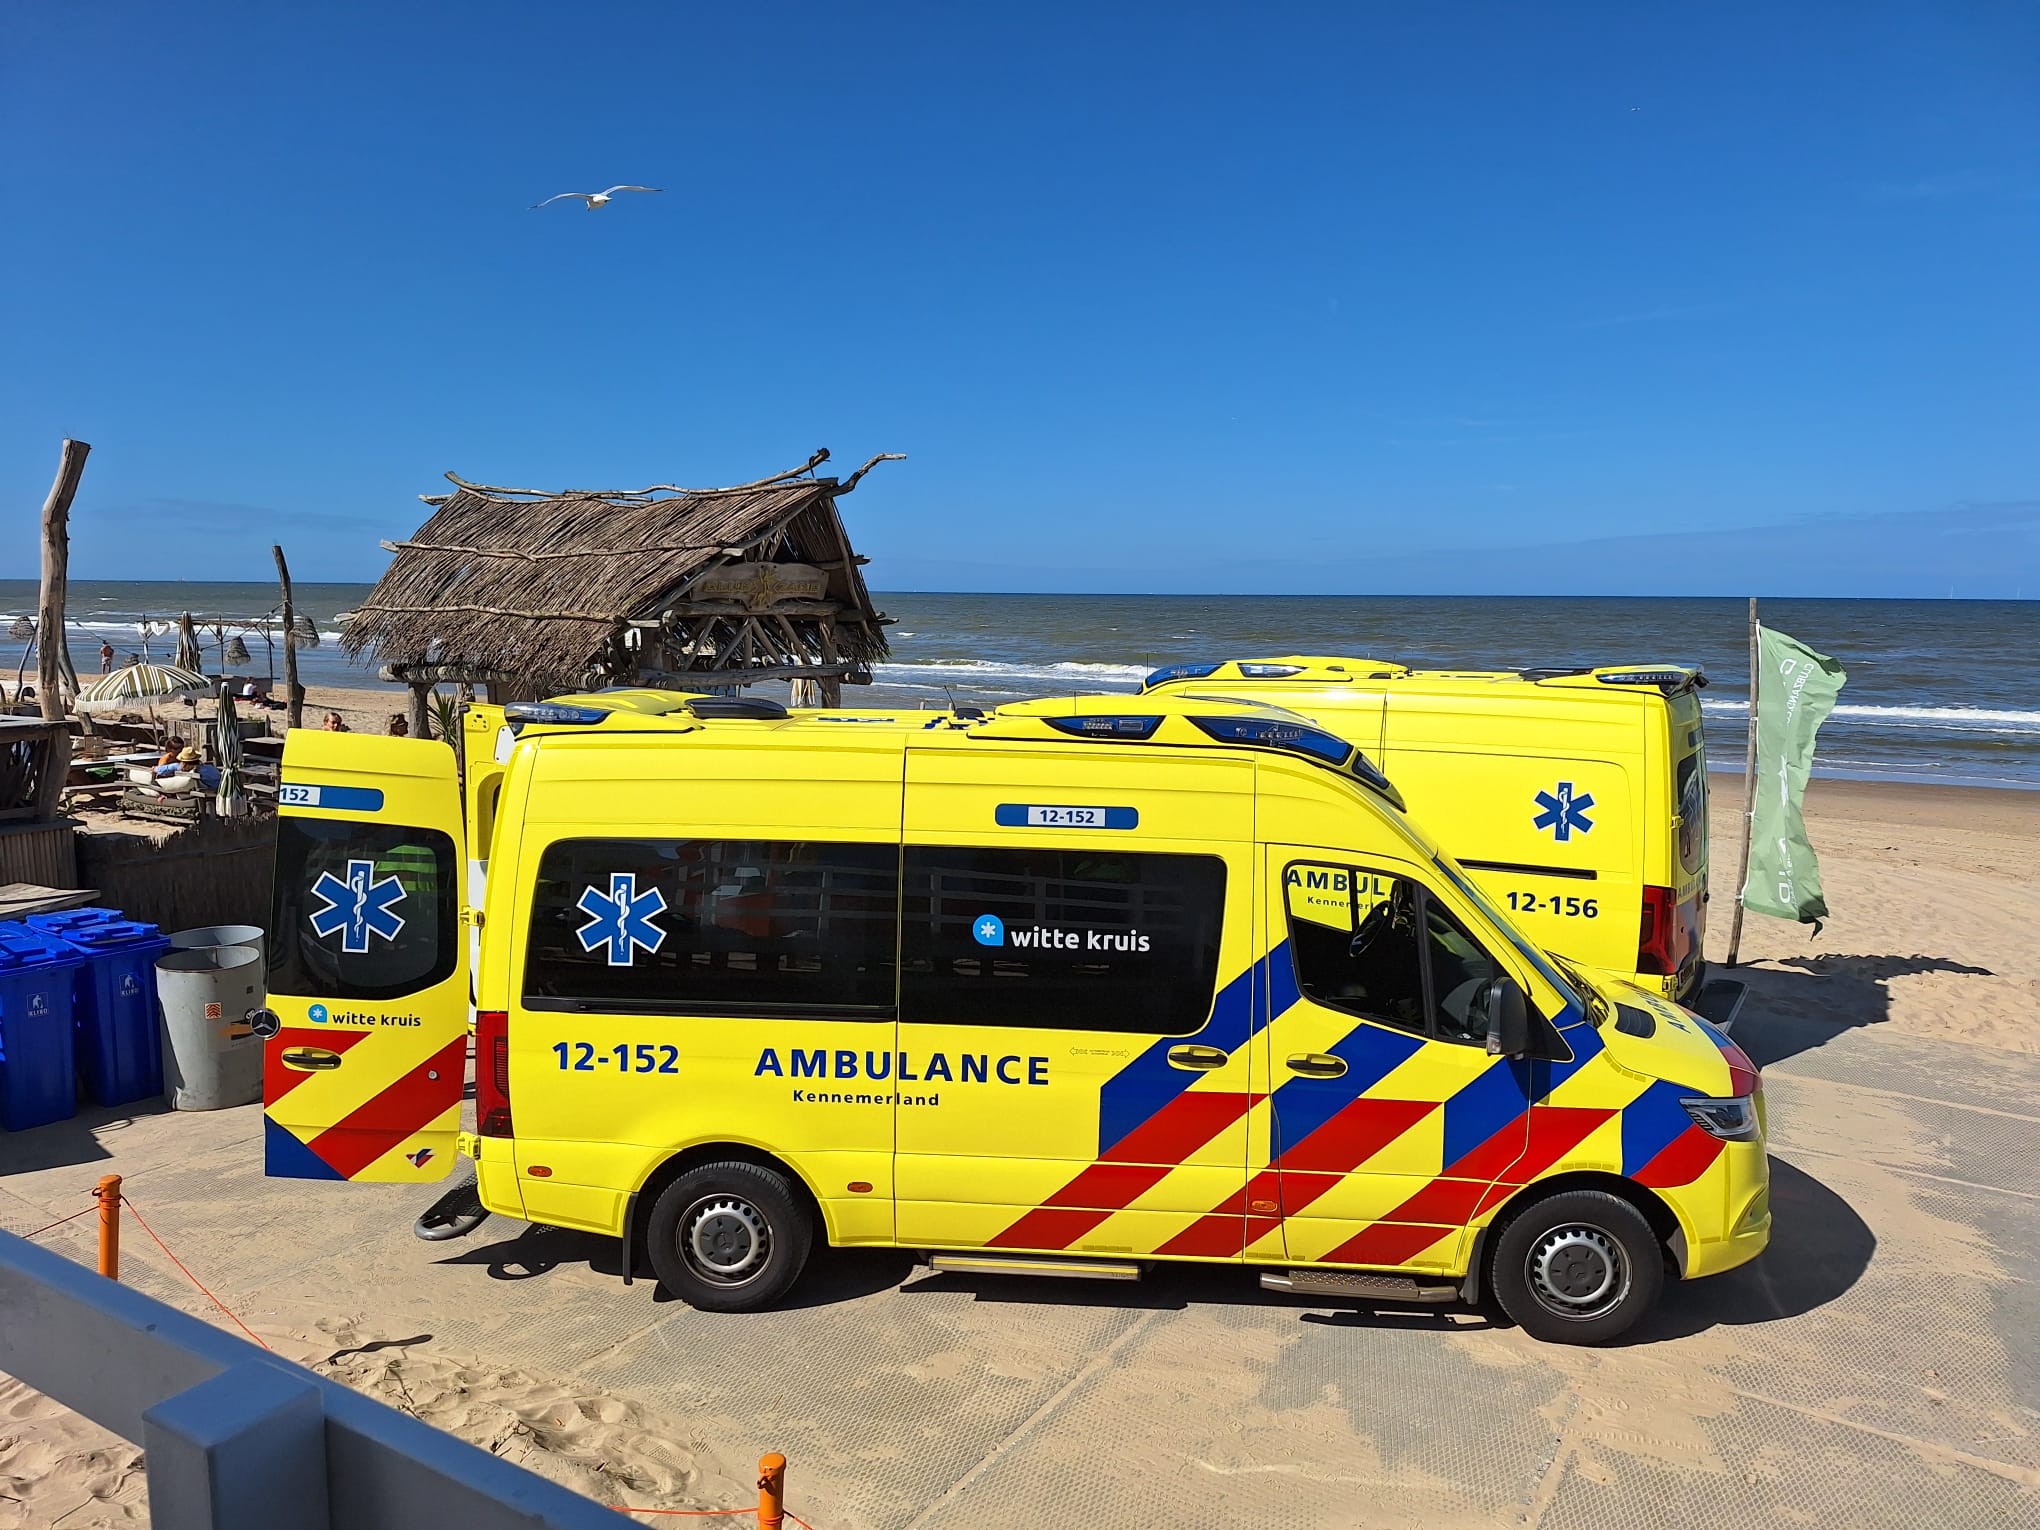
{"x":521,"y":713}
{"x":1132,"y":729}
{"x":1270,"y":671}
{"x":1178,"y":672}
{"x":1674,"y":678}
{"x":1274,"y":733}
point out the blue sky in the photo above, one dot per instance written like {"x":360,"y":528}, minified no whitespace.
{"x":1350,"y":298}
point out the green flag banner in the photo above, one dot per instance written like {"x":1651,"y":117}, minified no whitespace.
{"x":1796,"y":689}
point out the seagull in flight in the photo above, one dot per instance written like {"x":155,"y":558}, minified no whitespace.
{"x":594,"y":199}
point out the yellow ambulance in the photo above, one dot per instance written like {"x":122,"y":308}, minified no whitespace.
{"x":1070,"y":989}
{"x":1576,"y":797}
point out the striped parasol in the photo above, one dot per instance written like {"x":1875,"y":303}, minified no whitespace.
{"x":232,"y":798}
{"x":141,"y":685}
{"x":188,"y":655}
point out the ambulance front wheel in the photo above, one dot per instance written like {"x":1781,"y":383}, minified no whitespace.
{"x":1579,"y":1267}
{"x":729,"y":1237}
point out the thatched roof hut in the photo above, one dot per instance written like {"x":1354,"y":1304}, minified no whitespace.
{"x":530,"y":592}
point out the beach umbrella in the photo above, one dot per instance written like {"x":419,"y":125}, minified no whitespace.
{"x":237,"y":651}
{"x":232,"y":799}
{"x":142,"y":684}
{"x":188,"y":655}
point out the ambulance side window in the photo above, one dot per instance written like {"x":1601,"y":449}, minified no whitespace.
{"x":361,"y":910}
{"x":1380,"y":947}
{"x":1073,"y":939}
{"x":703,"y":926}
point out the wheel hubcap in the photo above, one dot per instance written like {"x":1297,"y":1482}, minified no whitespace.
{"x":1578,"y":1272}
{"x":725,"y":1239}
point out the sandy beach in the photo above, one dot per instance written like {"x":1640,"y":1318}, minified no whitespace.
{"x":1935,"y":893}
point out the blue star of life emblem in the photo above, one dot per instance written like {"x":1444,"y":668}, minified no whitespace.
{"x":358,"y":907}
{"x":1564,"y":812}
{"x":621,"y":919}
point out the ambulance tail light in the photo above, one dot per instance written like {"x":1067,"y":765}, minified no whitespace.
{"x":492,"y":1072}
{"x":1654,"y":953}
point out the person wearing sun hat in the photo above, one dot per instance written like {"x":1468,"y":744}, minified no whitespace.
{"x":188,"y":763}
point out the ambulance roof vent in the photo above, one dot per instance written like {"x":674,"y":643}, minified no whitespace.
{"x":720,"y":707}
{"x":1130,"y":728}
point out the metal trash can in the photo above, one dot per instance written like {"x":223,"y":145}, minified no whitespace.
{"x":253,"y":936}
{"x":211,"y":1058}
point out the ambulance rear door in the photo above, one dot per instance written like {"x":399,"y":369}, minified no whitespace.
{"x":368,"y":963}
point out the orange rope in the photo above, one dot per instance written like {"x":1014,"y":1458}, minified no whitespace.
{"x":704,"y":1513}
{"x":251,"y":1333}
{"x":59,"y":1223}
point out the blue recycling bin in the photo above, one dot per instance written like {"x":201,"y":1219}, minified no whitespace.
{"x":63,"y":923}
{"x":38,"y":1068}
{"x":120,"y":1035}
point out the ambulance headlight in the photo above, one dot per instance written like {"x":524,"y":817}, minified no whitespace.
{"x":1731,"y":1120}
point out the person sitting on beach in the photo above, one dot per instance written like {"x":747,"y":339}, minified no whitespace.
{"x":255,"y":696}
{"x":166,"y":762}
{"x":187,"y":763}
{"x":399,"y":726}
{"x":334,"y":724}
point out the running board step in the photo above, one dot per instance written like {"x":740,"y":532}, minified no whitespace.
{"x":1395,"y":1288}
{"x":1011,"y":1264}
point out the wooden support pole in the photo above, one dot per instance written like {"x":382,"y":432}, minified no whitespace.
{"x":421,"y":711}
{"x":1749,"y":806}
{"x":293,"y":693}
{"x":54,"y":670}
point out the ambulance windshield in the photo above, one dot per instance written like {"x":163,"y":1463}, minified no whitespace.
{"x":1567,"y":991}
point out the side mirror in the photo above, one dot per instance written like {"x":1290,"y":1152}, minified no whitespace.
{"x":1508,"y":1019}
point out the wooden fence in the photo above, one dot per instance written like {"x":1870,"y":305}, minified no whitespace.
{"x":215,"y":872}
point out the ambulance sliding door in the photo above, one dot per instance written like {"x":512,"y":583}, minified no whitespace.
{"x":700,"y":965}
{"x":1076,"y":1000}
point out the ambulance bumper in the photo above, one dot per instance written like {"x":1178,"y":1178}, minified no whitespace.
{"x":1749,"y":1236}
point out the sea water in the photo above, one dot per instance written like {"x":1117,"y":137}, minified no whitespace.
{"x":1942,"y":691}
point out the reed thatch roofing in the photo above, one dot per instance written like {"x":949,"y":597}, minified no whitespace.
{"x":543,"y":587}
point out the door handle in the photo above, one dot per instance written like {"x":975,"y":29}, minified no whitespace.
{"x":310,"y":1059}
{"x":1316,"y":1064}
{"x":1196,"y":1058}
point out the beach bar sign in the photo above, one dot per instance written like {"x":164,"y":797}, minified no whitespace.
{"x":759,"y":586}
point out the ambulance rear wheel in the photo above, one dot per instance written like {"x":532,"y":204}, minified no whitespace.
{"x":729,"y":1237}
{"x":1579,"y":1267}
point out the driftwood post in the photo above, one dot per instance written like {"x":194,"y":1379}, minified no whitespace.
{"x":54,"y":670}
{"x":421,"y":711}
{"x":293,"y":693}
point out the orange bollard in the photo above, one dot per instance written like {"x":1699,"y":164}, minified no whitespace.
{"x":771,"y":1492}
{"x":108,"y":1195}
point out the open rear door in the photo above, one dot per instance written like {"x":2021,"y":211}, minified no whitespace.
{"x":368,"y":962}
